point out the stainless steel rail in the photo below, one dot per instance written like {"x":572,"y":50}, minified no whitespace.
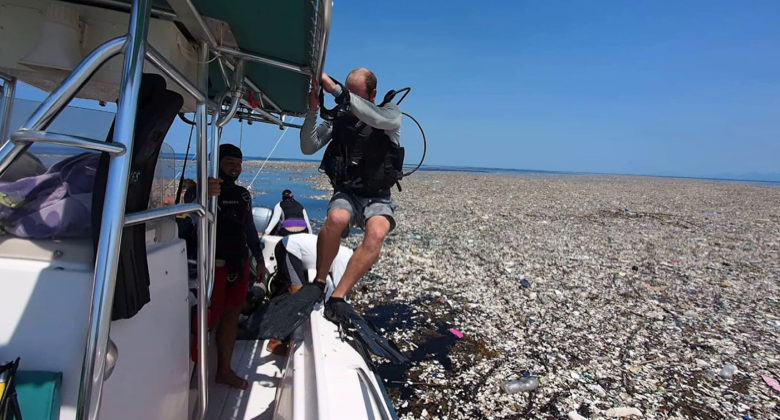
{"x":324,"y":11}
{"x":213,"y":171}
{"x":7,"y":95}
{"x":265,"y":60}
{"x":59,"y":98}
{"x":152,"y":214}
{"x":29,"y":136}
{"x":265,"y":117}
{"x":236,"y":91}
{"x":188,"y":15}
{"x":203,"y":229}
{"x":166,"y":67}
{"x":104,"y":283}
{"x":255,"y":88}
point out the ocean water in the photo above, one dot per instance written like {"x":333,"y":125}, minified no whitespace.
{"x":268,"y":186}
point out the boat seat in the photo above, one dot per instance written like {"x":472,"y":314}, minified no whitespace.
{"x":44,"y":308}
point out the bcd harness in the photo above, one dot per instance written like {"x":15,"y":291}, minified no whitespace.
{"x":360,"y":158}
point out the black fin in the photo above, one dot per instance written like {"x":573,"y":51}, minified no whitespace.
{"x":157,"y":108}
{"x":349,"y":321}
{"x":287,"y":312}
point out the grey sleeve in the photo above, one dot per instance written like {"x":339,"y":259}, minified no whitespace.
{"x":313,"y":136}
{"x":386,"y":118}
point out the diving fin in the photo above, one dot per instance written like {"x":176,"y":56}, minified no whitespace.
{"x":343,"y":314}
{"x":287,"y":312}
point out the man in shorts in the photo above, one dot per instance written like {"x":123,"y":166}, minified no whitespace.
{"x":363,"y":161}
{"x":236,"y":238}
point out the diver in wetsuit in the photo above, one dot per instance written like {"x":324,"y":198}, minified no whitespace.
{"x":236,"y":237}
{"x":289,"y":217}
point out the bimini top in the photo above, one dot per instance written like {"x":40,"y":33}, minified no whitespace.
{"x":282,"y":43}
{"x":276,"y":46}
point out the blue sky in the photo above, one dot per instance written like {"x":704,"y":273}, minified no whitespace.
{"x":664,"y":88}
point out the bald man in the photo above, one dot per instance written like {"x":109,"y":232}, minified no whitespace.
{"x":364,"y":160}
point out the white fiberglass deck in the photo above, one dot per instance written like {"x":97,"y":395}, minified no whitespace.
{"x":322,"y":378}
{"x":263,"y":371}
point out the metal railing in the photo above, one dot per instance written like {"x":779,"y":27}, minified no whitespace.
{"x":205,"y":272}
{"x":136,"y":49}
{"x":27,"y":137}
{"x":7,"y":95}
{"x":60,"y":97}
{"x":113,"y":218}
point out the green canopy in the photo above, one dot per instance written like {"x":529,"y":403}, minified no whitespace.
{"x":279,"y":30}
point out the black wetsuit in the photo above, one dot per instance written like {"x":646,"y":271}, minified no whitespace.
{"x":235,"y":227}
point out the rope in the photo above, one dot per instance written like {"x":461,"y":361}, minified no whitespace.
{"x":249,"y":187}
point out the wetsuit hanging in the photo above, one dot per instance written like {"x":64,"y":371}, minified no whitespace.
{"x":157,"y":107}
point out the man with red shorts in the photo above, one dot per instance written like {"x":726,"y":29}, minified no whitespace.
{"x":236,"y":236}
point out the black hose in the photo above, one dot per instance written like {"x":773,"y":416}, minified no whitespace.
{"x":185,"y":119}
{"x":425,"y":142}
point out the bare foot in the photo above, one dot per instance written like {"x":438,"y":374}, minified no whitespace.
{"x":232,"y":380}
{"x":277,"y":347}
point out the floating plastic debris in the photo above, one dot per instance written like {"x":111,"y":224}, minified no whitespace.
{"x":526,"y":384}
{"x":771,"y":382}
{"x":623,"y":412}
{"x":456,"y":332}
{"x":728,"y":371}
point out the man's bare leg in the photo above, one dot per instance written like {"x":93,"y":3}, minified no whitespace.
{"x":364,"y":256}
{"x":227,"y":331}
{"x":329,"y":239}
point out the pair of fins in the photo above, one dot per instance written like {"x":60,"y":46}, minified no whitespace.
{"x":287,"y":312}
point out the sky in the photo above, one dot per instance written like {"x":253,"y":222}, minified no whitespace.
{"x":659,"y":88}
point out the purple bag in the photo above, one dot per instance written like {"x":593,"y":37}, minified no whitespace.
{"x":55,"y":204}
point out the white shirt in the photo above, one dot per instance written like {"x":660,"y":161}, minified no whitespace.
{"x":304,"y":247}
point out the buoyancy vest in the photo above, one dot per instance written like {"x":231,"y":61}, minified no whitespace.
{"x":291,"y":209}
{"x":362,"y":159}
{"x":235,"y":207}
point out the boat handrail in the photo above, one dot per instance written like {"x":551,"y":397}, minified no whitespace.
{"x":61,"y":96}
{"x":7,"y":94}
{"x":153,"y":214}
{"x":166,"y":67}
{"x":26,"y":137}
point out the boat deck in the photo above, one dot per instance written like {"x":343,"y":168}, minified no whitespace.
{"x":262,"y":369}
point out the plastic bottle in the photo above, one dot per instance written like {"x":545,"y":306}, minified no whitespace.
{"x":526,"y":384}
{"x":728,"y":371}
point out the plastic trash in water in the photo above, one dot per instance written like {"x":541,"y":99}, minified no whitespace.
{"x":526,"y":384}
{"x":456,"y":332}
{"x":728,"y":371}
{"x":771,"y":382}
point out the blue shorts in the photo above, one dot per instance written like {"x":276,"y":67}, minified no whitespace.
{"x":363,"y":208}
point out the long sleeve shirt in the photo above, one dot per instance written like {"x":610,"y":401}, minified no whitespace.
{"x":386,"y":118}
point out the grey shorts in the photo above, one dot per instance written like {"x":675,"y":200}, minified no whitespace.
{"x":363,"y":208}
